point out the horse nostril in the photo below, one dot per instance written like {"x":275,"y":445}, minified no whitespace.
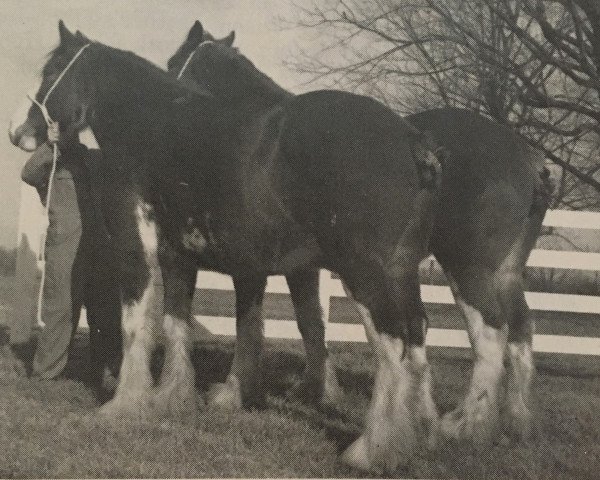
{"x":12,"y":134}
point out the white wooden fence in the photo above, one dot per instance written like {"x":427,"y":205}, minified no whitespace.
{"x":29,"y":242}
{"x":553,"y":302}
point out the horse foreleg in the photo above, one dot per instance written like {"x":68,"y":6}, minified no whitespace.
{"x":139,"y":340}
{"x":243,"y":386}
{"x":319,"y":383}
{"x":176,"y":394}
{"x":138,"y":272}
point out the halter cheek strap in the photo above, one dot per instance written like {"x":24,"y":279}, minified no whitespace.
{"x":189,"y":58}
{"x":42,"y":105}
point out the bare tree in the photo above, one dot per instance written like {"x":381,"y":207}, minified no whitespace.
{"x":530,"y":64}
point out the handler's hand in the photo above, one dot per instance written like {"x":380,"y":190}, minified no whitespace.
{"x":53,"y":133}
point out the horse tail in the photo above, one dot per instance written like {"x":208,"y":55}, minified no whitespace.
{"x":429,"y":157}
{"x":542,"y":194}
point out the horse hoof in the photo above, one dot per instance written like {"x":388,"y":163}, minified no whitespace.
{"x":518,"y":424}
{"x":430,"y":427}
{"x":226,"y":396}
{"x":357,"y":455}
{"x":476,"y":423}
{"x":309,"y":391}
{"x":119,"y":409}
{"x":176,"y":405}
{"x":379,"y":455}
{"x":332,"y":392}
{"x":316,"y":391}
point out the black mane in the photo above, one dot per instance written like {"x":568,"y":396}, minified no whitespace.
{"x":123,"y":63}
{"x":237,"y":78}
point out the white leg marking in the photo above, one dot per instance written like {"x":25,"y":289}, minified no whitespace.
{"x":427,"y":414}
{"x":177,"y":395}
{"x":477,"y":418}
{"x":139,"y":333}
{"x":332,"y":391}
{"x":389,"y":436}
{"x":520,"y":374}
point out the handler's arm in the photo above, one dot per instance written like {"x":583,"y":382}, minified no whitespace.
{"x":37,"y":169}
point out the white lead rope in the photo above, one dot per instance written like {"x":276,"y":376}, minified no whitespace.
{"x":46,"y":221}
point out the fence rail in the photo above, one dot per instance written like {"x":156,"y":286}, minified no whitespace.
{"x":28,"y":243}
{"x":541,"y":258}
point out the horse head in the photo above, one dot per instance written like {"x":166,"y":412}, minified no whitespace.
{"x":63,"y":94}
{"x":196,"y":36}
{"x":220,"y":68}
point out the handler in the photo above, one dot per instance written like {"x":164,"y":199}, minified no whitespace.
{"x":80,"y":269}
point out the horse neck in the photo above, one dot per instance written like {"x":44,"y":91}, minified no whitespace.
{"x":132,"y":98}
{"x":250,"y":88}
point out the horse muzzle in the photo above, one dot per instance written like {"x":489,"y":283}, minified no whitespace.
{"x":23,"y":137}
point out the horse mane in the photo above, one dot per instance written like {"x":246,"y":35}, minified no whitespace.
{"x":139,"y":68}
{"x":250,"y":77}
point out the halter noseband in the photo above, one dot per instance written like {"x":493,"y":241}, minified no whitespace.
{"x":189,"y":58}
{"x":42,"y":105}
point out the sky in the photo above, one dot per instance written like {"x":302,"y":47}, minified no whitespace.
{"x":151,"y":28}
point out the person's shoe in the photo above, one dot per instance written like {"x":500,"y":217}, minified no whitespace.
{"x":13,"y":364}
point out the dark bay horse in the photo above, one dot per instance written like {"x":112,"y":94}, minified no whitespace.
{"x":319,"y":383}
{"x":332,"y":180}
{"x":494,"y":197}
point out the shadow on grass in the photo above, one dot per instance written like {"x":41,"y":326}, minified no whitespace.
{"x":280,"y":371}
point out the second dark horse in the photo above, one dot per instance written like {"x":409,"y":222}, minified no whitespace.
{"x":494,"y":196}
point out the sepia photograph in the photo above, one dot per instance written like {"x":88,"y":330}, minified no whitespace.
{"x":300,"y":239}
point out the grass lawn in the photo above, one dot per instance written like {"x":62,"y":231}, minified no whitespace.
{"x":49,"y":429}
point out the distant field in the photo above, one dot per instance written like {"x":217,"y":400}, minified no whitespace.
{"x":48,"y":429}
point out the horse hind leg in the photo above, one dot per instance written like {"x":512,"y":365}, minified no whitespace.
{"x":521,"y":327}
{"x":520,"y":356}
{"x":401,"y":409}
{"x":243,"y":386}
{"x":319,"y":383}
{"x":426,"y":414}
{"x":176,"y":394}
{"x":476,"y":418}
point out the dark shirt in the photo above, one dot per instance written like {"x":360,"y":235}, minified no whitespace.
{"x":75,"y":200}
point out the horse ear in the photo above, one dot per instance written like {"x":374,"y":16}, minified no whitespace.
{"x":228,"y":40}
{"x":65,"y":35}
{"x":81,"y":36}
{"x":196,"y":32}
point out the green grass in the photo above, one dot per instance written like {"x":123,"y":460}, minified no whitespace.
{"x":50,"y":429}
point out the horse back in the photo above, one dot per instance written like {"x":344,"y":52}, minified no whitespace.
{"x":491,"y":185}
{"x":348,"y":163}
